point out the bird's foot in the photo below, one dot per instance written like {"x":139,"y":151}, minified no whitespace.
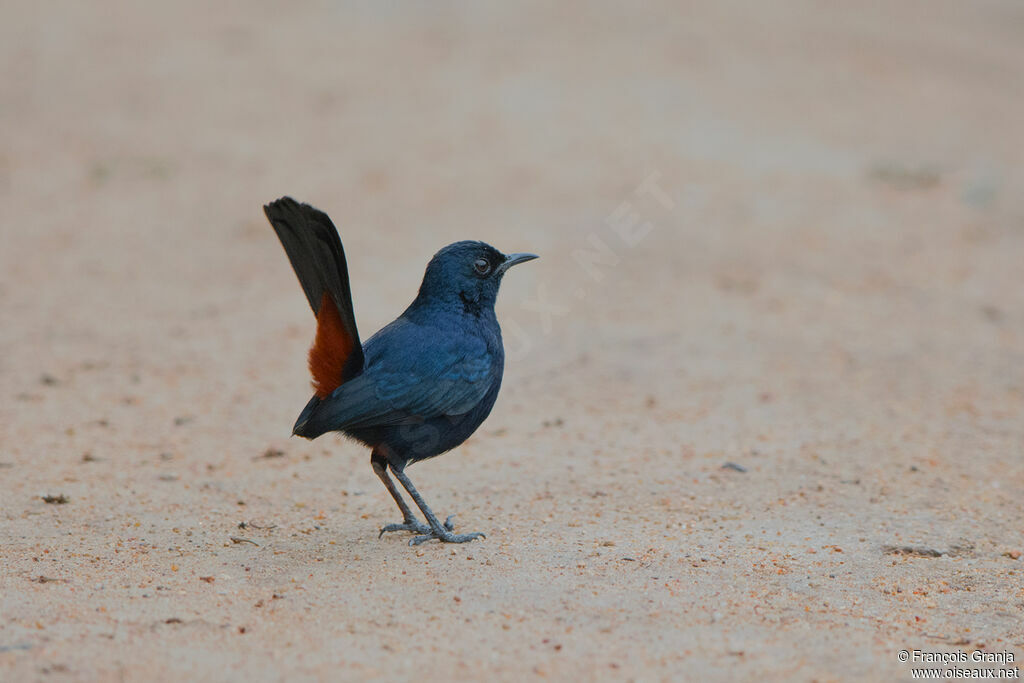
{"x":445,"y":536}
{"x":415,"y":526}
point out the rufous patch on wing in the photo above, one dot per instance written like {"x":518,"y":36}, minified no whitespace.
{"x":330,"y":349}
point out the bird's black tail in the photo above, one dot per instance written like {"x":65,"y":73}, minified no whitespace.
{"x":314,"y":249}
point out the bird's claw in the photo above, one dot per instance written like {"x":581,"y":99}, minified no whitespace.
{"x":446,"y":537}
{"x":415,"y":526}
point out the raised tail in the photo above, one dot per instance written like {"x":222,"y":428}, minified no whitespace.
{"x":314,"y":249}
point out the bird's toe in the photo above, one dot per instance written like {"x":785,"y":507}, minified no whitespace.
{"x":414,"y":526}
{"x":446,"y":537}
{"x":416,"y":540}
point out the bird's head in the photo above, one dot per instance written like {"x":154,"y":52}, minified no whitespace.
{"x":467,"y":272}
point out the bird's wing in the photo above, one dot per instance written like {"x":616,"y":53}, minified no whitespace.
{"x":413,"y":374}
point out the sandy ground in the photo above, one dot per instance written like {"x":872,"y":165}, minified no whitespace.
{"x":785,"y":237}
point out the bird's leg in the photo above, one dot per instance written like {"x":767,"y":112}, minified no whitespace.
{"x":409,"y":521}
{"x":437,"y":530}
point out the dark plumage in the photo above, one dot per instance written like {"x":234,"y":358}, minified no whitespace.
{"x":423,"y":383}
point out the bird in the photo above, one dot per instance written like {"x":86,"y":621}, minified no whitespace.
{"x":422,"y":384}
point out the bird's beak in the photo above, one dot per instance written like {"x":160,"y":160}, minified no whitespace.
{"x":515,"y":259}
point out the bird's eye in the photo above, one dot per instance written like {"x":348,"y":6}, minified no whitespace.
{"x":482,"y":266}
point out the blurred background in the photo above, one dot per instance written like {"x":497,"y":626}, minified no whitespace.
{"x":786,"y":235}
